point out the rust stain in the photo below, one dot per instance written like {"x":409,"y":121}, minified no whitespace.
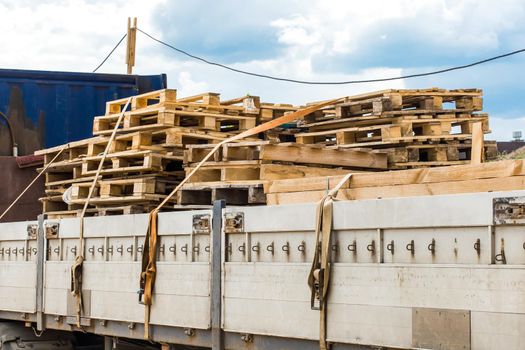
{"x":29,"y":136}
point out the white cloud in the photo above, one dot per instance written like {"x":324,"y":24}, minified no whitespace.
{"x":67,"y":35}
{"x":187,"y":86}
{"x":502,"y":128}
{"x":75,"y":35}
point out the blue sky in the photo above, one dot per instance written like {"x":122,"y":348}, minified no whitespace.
{"x":309,"y":40}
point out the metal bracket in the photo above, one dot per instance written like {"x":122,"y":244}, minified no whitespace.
{"x":234,"y":222}
{"x":509,"y":210}
{"x":202,"y":224}
{"x":51,"y":229}
{"x":32,"y":231}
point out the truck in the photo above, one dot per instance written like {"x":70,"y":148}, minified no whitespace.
{"x":426,"y":272}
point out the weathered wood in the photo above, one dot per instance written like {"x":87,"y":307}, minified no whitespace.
{"x":477,"y":143}
{"x":438,"y":188}
{"x":501,"y":169}
{"x":312,"y":155}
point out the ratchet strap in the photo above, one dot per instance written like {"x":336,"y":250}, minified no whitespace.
{"x":148,"y":273}
{"x":76,"y":268}
{"x":319,"y":276}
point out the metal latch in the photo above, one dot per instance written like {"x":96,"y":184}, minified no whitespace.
{"x":234,"y":222}
{"x":51,"y":229}
{"x":509,"y":210}
{"x":32,"y":231}
{"x":201,"y":224}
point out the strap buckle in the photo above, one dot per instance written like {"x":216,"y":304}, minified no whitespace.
{"x":140,"y":292}
{"x":316,"y":299}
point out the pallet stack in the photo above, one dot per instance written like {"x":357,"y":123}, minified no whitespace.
{"x":145,"y":161}
{"x":418,"y":128}
{"x":237,"y":172}
{"x":162,"y":139}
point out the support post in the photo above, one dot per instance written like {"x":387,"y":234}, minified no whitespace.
{"x":131,"y":41}
{"x":108,"y":343}
{"x":40,"y":259}
{"x":216,"y":276}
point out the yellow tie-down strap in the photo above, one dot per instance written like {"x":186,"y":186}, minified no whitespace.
{"x":319,"y":276}
{"x":149,"y":257}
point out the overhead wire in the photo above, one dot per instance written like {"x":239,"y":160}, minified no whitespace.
{"x":309,"y":82}
{"x":361,"y":81}
{"x":110,"y":53}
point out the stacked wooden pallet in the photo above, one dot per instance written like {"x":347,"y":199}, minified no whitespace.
{"x":430,"y":127}
{"x":163,"y":138}
{"x":238,"y":171}
{"x":145,"y":160}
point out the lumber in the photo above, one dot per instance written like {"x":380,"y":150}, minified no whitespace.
{"x":500,"y":169}
{"x":427,"y":189}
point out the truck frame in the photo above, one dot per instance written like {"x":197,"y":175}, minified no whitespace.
{"x":431,"y":272}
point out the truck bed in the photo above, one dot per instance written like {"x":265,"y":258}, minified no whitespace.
{"x":440,"y":272}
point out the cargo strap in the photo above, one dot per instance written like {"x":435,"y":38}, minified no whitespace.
{"x":148,"y":273}
{"x":76,"y":268}
{"x":319,"y":276}
{"x":34,"y":180}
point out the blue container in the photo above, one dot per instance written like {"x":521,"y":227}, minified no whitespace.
{"x":46,"y":109}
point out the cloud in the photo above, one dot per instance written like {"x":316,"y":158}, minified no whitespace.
{"x":306,"y":40}
{"x":502,"y":128}
{"x":188,"y":86}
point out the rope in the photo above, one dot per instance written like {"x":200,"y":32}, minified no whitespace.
{"x":76,"y":268}
{"x":149,"y":257}
{"x":319,"y":276}
{"x":34,"y":180}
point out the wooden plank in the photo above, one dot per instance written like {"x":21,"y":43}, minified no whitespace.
{"x":280,"y":171}
{"x":453,"y":187}
{"x":499,"y":169}
{"x":315,"y":155}
{"x":476,"y":155}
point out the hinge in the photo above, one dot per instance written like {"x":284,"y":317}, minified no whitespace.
{"x":509,"y":210}
{"x":202,"y":224}
{"x":51,"y":229}
{"x":234,"y":222}
{"x":32,"y":231}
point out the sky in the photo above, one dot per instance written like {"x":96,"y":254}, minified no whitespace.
{"x":323,"y":40}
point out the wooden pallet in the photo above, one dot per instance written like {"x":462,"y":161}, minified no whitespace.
{"x":291,"y":153}
{"x":256,"y":170}
{"x":454,"y":117}
{"x":237,"y":193}
{"x":271,"y":111}
{"x":167,"y":140}
{"x":435,"y":154}
{"x":395,"y":129}
{"x":378,"y":102}
{"x":74,"y":151}
{"x":100,"y":211}
{"x":133,"y":162}
{"x":144,"y":190}
{"x":171,"y":115}
{"x":155,"y":98}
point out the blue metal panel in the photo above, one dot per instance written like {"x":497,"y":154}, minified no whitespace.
{"x":51,"y":108}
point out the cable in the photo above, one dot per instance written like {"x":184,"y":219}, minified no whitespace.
{"x":110,"y":53}
{"x":14,"y":145}
{"x":332,"y":82}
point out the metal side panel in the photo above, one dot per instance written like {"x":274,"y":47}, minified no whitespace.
{"x":269,"y":299}
{"x":473,"y":209}
{"x":497,"y":330}
{"x":112,"y":267}
{"x":181,"y":293}
{"x":18,"y":266}
{"x":369,"y":304}
{"x":407,"y":272}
